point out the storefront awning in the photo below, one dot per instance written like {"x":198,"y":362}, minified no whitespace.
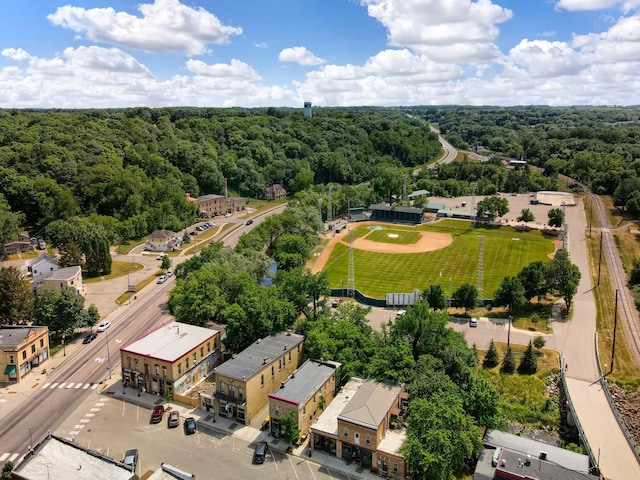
{"x":10,"y":370}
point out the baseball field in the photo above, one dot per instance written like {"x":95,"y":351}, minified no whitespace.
{"x":391,"y":258}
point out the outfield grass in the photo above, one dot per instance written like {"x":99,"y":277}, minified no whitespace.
{"x":377,"y":274}
{"x":403,"y":237}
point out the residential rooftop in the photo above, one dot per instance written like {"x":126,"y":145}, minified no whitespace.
{"x":63,"y":274}
{"x":170,"y":341}
{"x":392,"y":441}
{"x":262,"y":352}
{"x":305,"y":381}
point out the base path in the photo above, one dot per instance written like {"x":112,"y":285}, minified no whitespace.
{"x":428,"y":242}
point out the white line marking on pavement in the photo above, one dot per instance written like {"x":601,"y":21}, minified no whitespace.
{"x":310,"y":470}
{"x":78,"y":427}
{"x":94,"y":386}
{"x":62,"y":385}
{"x":54,"y":385}
{"x":46,"y":385}
{"x":86,"y":385}
{"x":73,"y":433}
{"x":292,"y":466}
{"x":13,"y":457}
{"x":78,"y":385}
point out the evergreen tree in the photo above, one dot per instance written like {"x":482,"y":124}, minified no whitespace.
{"x":529,"y":362}
{"x":491,"y":359}
{"x":508,"y":362}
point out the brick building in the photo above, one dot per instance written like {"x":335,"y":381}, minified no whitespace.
{"x":243,"y":384}
{"x":307,"y":393}
{"x":22,"y":348}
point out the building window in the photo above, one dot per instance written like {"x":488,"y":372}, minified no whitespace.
{"x":157,"y":369}
{"x":232,"y":392}
{"x":272,"y":371}
{"x":367,"y":439}
{"x":24,"y":355}
{"x":262,"y":380}
{"x":304,"y":410}
{"x":279,"y":364}
{"x":289,"y":356}
{"x":194,"y":357}
{"x":11,"y":359}
{"x":129,"y":363}
{"x":135,"y":364}
{"x":240,"y":393}
{"x":222,"y":387}
{"x":33,"y":349}
{"x":395,"y":468}
{"x":164,"y":372}
{"x":41,"y":342}
{"x":179,"y":369}
{"x":283,"y":361}
{"x":186,"y":362}
{"x":346,"y":432}
{"x":201,"y":352}
{"x":208,"y":347}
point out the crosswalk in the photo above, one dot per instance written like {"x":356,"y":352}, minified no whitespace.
{"x":71,"y":386}
{"x":9,"y":457}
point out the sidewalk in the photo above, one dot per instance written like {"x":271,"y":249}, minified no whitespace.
{"x":225,"y":426}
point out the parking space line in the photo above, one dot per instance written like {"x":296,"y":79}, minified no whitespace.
{"x":293,"y":466}
{"x":310,"y":470}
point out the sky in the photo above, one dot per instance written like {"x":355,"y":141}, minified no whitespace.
{"x":281,"y":53}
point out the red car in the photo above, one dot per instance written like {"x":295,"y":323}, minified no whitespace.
{"x":156,"y":416}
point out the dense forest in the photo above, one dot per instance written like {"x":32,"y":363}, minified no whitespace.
{"x":128,"y":170}
{"x":599,"y":146}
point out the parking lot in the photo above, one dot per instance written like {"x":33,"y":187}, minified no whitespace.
{"x":110,"y":427}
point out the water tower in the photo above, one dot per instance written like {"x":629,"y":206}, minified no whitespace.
{"x":307,"y":109}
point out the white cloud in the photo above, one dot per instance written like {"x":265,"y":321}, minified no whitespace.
{"x":261,"y":45}
{"x":543,"y":59}
{"x":575,"y":5}
{"x":165,"y":26}
{"x":300,"y":55}
{"x":236,"y":70}
{"x":444,"y":30}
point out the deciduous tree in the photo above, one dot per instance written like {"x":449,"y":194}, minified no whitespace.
{"x":435,"y":297}
{"x":16,"y":298}
{"x":556,"y":217}
{"x":465,"y":296}
{"x":526,"y":216}
{"x":493,"y":207}
{"x":510,"y":294}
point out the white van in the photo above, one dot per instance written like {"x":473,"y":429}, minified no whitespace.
{"x":400,"y":313}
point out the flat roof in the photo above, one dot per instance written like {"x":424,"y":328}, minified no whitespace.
{"x":526,"y":446}
{"x":58,"y":458}
{"x":418,"y":193}
{"x":252,"y":359}
{"x":305,"y":381}
{"x":514,"y":462}
{"x":328,"y":420}
{"x":64,"y":273}
{"x":392,"y":441}
{"x":392,"y":208}
{"x":170,"y":341}
{"x":12,"y":336}
{"x":371,"y":403}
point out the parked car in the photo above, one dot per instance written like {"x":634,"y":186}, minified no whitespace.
{"x":228,"y":215}
{"x":249,"y":222}
{"x":89,"y":337}
{"x":174,"y":419}
{"x":42,"y":245}
{"x":400,"y":313}
{"x":260,"y":453}
{"x":200,"y":228}
{"x":189,"y":426}
{"x":473,"y":322}
{"x":194,"y":233}
{"x":169,"y":272}
{"x":159,"y":257}
{"x":156,"y":415}
{"x":131,"y":459}
{"x":103,"y":326}
{"x":336,"y":302}
{"x":162,"y":279}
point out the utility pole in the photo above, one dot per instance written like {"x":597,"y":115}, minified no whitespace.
{"x":509,"y":332}
{"x":600,"y":259}
{"x":615,"y":328}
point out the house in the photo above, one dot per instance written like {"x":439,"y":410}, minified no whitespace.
{"x":243,"y":384}
{"x":189,"y":198}
{"x":22,"y":348}
{"x":55,"y":457}
{"x":216,"y":205}
{"x":66,"y":277}
{"x":275,"y":192}
{"x":418,"y":194}
{"x":163,"y":241}
{"x":41,"y":268}
{"x":361,"y":425}
{"x":511,"y":457}
{"x":170,"y":359}
{"x":306,"y":392}
{"x":21,"y":245}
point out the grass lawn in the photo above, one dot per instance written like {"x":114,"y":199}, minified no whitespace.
{"x":506,"y":251}
{"x":118,"y":269}
{"x":139,"y":286}
{"x":399,"y":237}
{"x":127,"y":245}
{"x":525,"y":399}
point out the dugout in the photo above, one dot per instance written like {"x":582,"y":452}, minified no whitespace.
{"x":357,"y":214}
{"x":392,"y":214}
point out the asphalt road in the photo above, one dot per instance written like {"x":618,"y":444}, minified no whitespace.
{"x":26,"y":418}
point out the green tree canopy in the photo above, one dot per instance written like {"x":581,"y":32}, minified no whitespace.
{"x":16,"y":298}
{"x":491,"y":358}
{"x":526,"y":216}
{"x":510,"y":293}
{"x":465,"y":296}
{"x":556,"y":217}
{"x":493,"y":207}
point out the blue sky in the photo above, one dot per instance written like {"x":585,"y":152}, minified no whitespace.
{"x":251,"y":53}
